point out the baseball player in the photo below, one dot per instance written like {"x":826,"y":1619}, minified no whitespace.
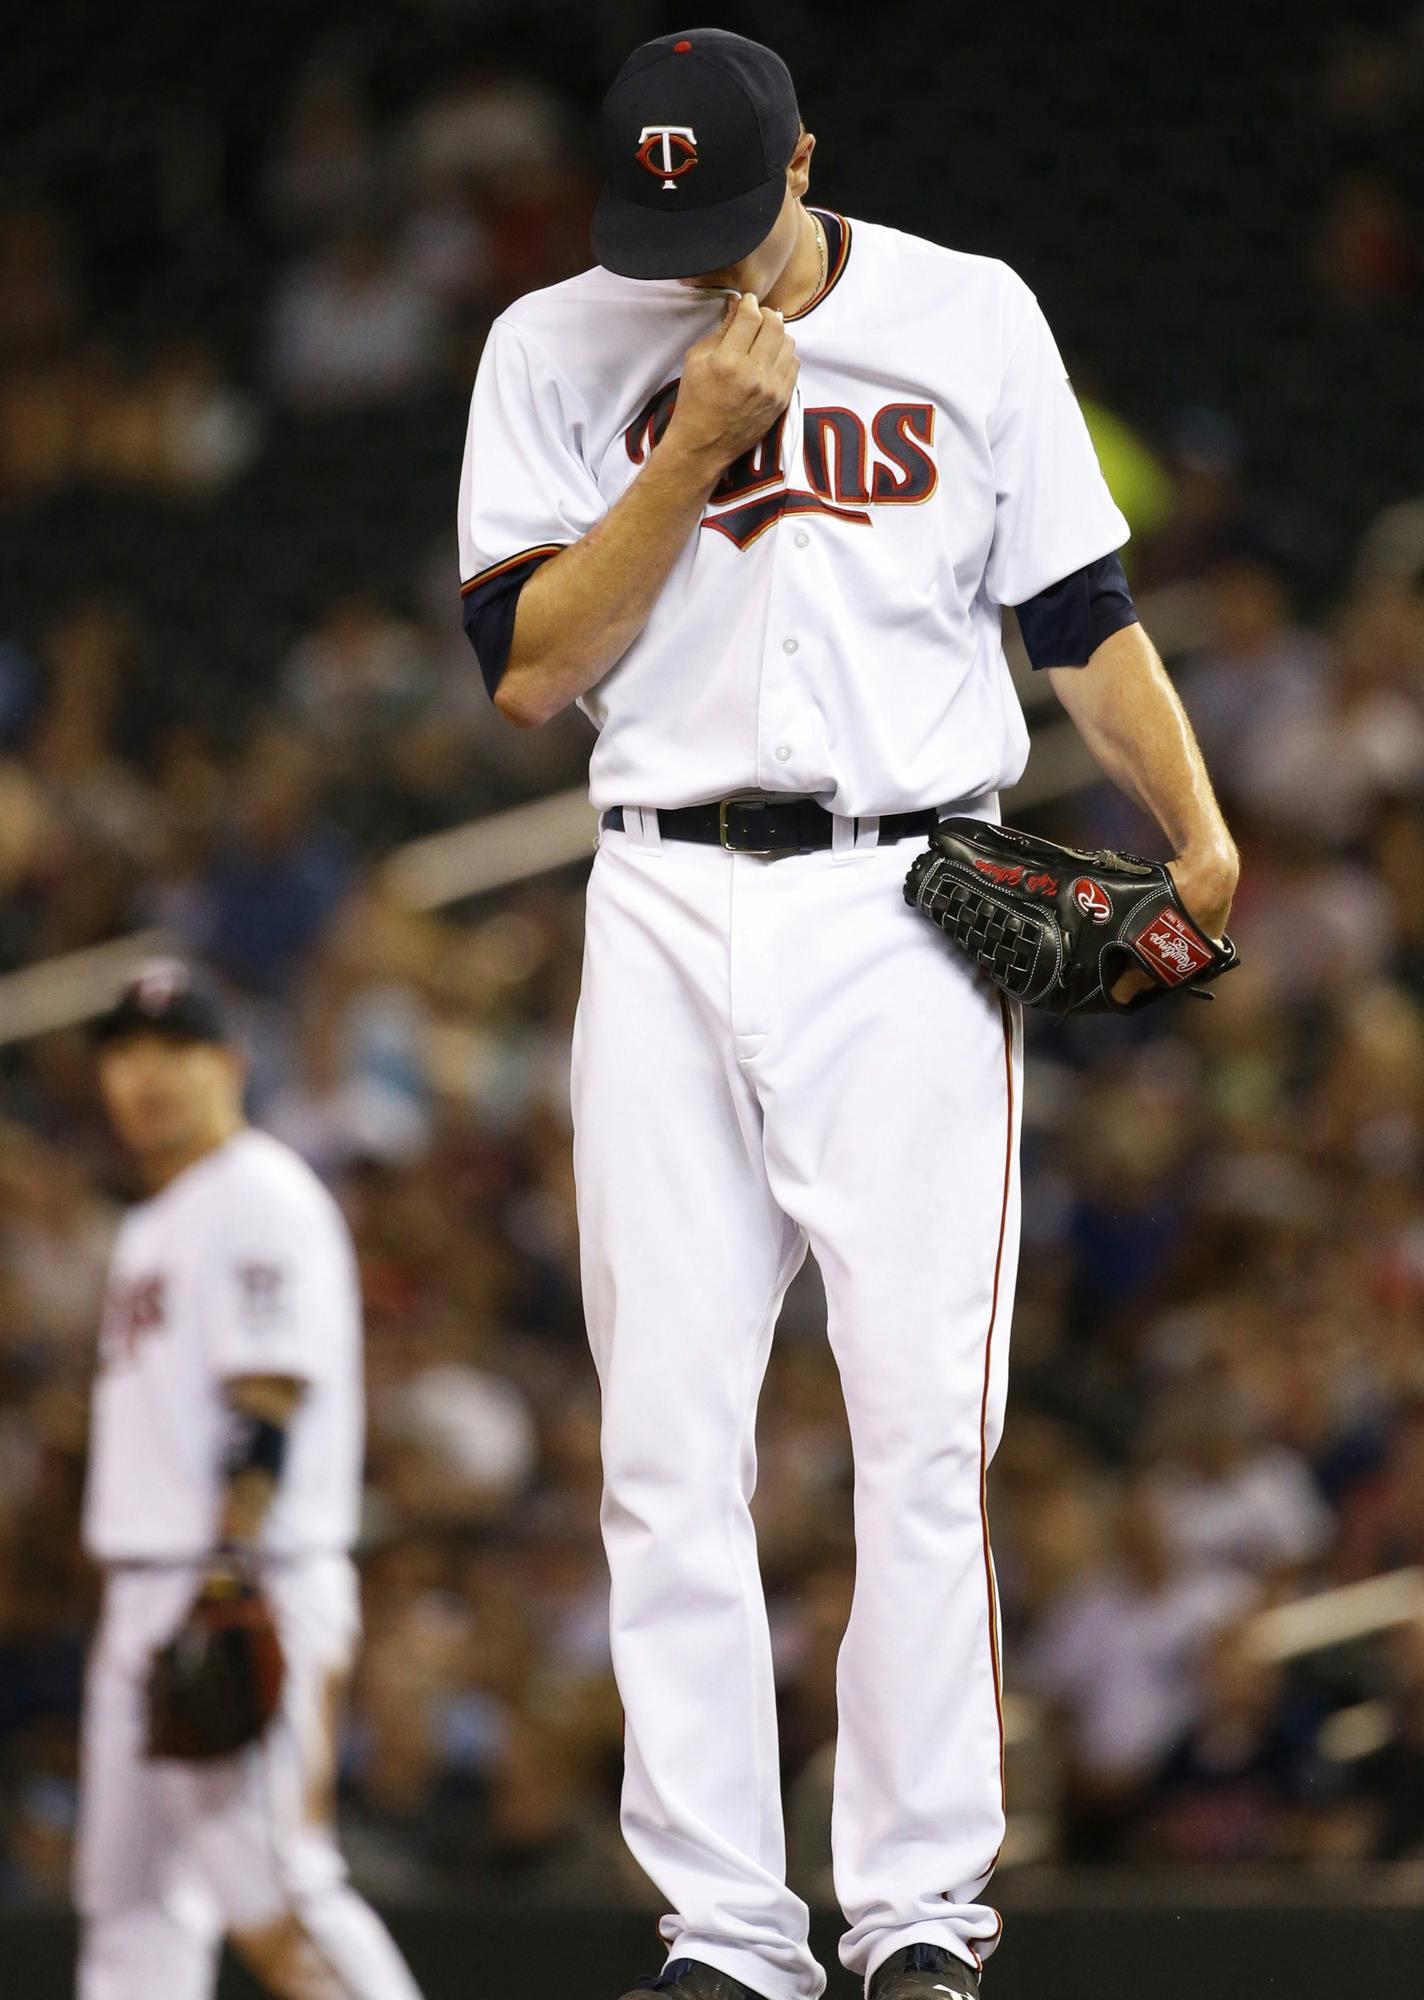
{"x":224,"y":1480}
{"x":753,"y":492}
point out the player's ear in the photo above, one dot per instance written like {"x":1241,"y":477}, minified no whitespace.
{"x":798,"y":167}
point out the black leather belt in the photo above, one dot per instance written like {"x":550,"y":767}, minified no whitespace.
{"x":768,"y":826}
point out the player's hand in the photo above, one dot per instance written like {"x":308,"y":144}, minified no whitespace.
{"x":1206,"y":884}
{"x":735,"y":384}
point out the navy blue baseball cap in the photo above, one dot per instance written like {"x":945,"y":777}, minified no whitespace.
{"x":163,"y":997}
{"x":697,"y":131}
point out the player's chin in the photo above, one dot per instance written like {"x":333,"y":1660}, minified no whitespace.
{"x":153,"y":1128}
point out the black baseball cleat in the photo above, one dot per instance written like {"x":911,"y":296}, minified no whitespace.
{"x":922,"y":1972}
{"x":686,"y":1979}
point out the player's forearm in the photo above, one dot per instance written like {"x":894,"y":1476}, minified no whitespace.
{"x":1128,"y":713}
{"x":247,"y":1501}
{"x":580,"y":611}
{"x":262,"y":1407}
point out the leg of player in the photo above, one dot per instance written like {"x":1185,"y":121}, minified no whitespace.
{"x":333,"y":1946}
{"x":133,"y":1954}
{"x":147,"y":1928}
{"x":685,"y":1259}
{"x":284,"y":1962}
{"x":892,"y":1137}
{"x":262,"y":1830}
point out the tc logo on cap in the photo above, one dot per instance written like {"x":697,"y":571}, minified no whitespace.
{"x":158,"y":984}
{"x":658,"y":157}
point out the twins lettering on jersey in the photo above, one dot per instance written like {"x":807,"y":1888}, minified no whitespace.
{"x":133,"y":1309}
{"x":850,"y":466}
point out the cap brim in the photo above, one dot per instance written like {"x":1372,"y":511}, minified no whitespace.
{"x":127,"y":1024}
{"x":638,"y":242}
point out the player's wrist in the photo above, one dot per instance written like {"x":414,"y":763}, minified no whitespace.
{"x":1206,"y":874}
{"x":696,"y":461}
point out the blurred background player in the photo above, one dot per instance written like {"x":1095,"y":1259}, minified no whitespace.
{"x":226,"y":1432}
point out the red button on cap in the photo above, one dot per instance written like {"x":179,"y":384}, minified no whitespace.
{"x":681,"y":48}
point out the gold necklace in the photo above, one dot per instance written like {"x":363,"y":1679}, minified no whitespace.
{"x":823,"y":252}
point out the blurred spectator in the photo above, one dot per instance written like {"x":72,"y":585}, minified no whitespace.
{"x":1389,"y":1780}
{"x":356,"y":678}
{"x":326,"y":170}
{"x":39,"y":290}
{"x":1316,"y":923}
{"x":279,"y":871}
{"x":55,"y":1238}
{"x":175,"y":427}
{"x":1259,"y":671}
{"x":486,"y":126}
{"x":29,"y":853}
{"x":1368,"y":252}
{"x":1228,"y":1500}
{"x":1205,"y":458}
{"x":1234,"y":1787}
{"x":40,"y":1845}
{"x":460,"y":1442}
{"x":1373,"y":74}
{"x":1328,"y":763}
{"x":90,"y":657}
{"x":351,"y":327}
{"x":19,"y":694}
{"x":1390,"y":558}
{"x":207,"y":432}
{"x":1116,"y":1653}
{"x":1383,"y":1525}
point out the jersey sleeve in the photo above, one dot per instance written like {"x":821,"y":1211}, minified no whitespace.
{"x":525,"y":490}
{"x":1053,"y":513}
{"x":277,"y":1286}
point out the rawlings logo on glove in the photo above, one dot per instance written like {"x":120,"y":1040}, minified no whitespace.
{"x":997,"y":893}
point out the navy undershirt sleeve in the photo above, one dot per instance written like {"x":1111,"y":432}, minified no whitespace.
{"x":489,"y":611}
{"x":1064,"y":625}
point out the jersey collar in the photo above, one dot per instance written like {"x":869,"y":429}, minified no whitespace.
{"x":837,"y":257}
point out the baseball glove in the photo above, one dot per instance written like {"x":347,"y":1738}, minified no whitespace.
{"x":1056,"y":928}
{"x":215,"y":1686}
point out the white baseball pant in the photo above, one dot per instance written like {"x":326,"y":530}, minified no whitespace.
{"x":770,"y":1053}
{"x":172,"y":1857}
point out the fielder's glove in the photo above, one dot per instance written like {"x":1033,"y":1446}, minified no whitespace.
{"x":215,"y":1686}
{"x":1056,"y":928}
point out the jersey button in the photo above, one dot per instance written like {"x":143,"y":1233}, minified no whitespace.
{"x":783,"y":752}
{"x":789,"y":645}
{"x":802,"y":538}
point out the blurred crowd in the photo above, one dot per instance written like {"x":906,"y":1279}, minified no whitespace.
{"x":1218,"y":1379}
{"x":384,"y":248}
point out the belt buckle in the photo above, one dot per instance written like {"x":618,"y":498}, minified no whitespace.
{"x":724,"y":806}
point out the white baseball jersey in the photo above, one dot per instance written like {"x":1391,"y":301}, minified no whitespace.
{"x":242,"y":1265}
{"x":833,"y":628}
